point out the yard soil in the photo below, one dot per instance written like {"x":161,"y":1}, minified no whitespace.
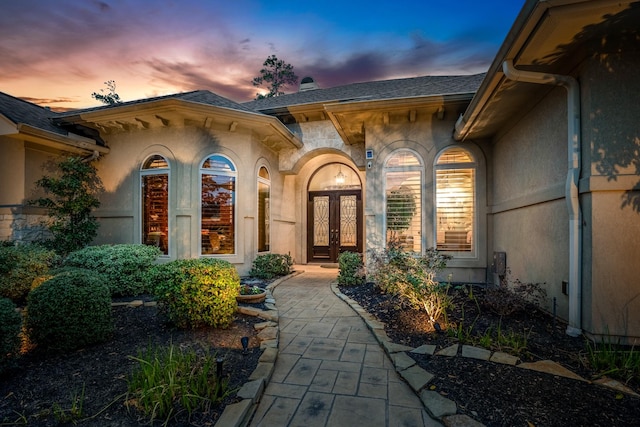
{"x":31,"y":392}
{"x":502,"y":395}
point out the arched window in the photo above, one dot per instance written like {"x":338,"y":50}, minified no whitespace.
{"x":154,"y":179}
{"x":264,"y":212}
{"x":455,"y":171}
{"x":403,"y":200}
{"x":218,"y":195}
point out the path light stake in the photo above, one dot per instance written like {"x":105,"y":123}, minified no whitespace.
{"x":219,"y":361}
{"x":554,"y":315}
{"x":245,"y":344}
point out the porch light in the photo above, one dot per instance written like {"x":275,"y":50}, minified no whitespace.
{"x":340,"y":177}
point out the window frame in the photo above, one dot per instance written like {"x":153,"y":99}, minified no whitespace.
{"x":473,"y":166}
{"x":233,"y":174}
{"x":267,"y":224}
{"x":420,"y":169}
{"x":144,"y":172}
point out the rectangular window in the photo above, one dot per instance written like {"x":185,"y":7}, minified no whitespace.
{"x":404,"y":209}
{"x":263,"y":217}
{"x":455,"y":198}
{"x":218,"y":221}
{"x":155,"y":209}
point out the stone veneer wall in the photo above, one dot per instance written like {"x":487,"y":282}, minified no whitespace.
{"x":23,"y":227}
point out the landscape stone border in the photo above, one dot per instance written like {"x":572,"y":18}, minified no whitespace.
{"x":240,"y":413}
{"x":437,"y":405}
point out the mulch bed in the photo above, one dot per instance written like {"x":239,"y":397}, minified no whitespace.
{"x":501,"y":395}
{"x":41,"y":382}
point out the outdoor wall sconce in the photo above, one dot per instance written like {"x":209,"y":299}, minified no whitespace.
{"x":340,"y":177}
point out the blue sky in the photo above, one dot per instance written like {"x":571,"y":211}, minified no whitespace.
{"x":57,"y":53}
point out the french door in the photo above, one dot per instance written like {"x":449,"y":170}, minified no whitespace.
{"x":334,"y":224}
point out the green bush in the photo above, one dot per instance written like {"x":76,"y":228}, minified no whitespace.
{"x":20,"y":266}
{"x":197,"y":292}
{"x":10,"y":326}
{"x":413,"y":278}
{"x":71,"y":310}
{"x":268,"y":266}
{"x":169,"y":380}
{"x":351,"y":269}
{"x":123,"y":266}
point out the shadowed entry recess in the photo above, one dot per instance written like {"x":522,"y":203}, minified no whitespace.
{"x":334,"y":214}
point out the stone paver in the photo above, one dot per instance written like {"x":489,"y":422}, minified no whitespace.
{"x":330,"y":369}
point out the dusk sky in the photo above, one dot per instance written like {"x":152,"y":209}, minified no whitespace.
{"x":56,"y":53}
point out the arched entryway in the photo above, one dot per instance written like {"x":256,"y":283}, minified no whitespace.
{"x":334,"y":213}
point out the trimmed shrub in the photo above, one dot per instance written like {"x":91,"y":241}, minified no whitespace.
{"x":124,"y":267}
{"x":197,"y":292}
{"x":72,"y":310}
{"x":10,"y":326}
{"x":351,"y":269}
{"x":268,"y":266}
{"x":20,"y":268}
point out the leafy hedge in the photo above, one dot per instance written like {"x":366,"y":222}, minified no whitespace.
{"x":10,"y":326}
{"x":72,"y":310}
{"x":124,"y":266}
{"x":351,"y":269}
{"x":268,"y":266}
{"x":197,"y":292}
{"x":21,"y":266}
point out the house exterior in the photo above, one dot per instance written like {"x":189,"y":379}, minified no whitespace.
{"x":530,"y":170}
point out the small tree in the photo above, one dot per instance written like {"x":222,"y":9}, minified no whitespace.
{"x":74,"y":196}
{"x":278,"y":74}
{"x":110,"y":97}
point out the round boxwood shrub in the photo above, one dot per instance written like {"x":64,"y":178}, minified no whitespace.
{"x":21,"y":266}
{"x":197,"y":292}
{"x":72,"y":310}
{"x":268,"y":266}
{"x":123,"y":266}
{"x":10,"y":326}
{"x":351,"y":269}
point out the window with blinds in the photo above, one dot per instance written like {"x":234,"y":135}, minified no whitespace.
{"x":154,"y":180}
{"x":455,"y":172}
{"x":264,"y":221}
{"x":217,"y":222}
{"x":403,"y":200}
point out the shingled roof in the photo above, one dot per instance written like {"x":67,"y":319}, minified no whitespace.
{"x":376,"y":90}
{"x":20,"y":111}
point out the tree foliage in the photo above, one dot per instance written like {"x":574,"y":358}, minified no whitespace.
{"x":277,"y":74}
{"x":71,"y":197}
{"x":109,"y":97}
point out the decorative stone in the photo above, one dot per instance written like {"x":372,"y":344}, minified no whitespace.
{"x":395,"y":348}
{"x":424,"y":349}
{"x":234,"y":415}
{"x":553,"y":368}
{"x":263,"y":370}
{"x":269,"y":355}
{"x":616,"y":385}
{"x":504,"y":358}
{"x":450,"y":351}
{"x":268,"y":333}
{"x":402,"y":361}
{"x":416,"y":377}
{"x":438,"y":405}
{"x":252,"y":390}
{"x":475,"y":352}
{"x":262,"y":325}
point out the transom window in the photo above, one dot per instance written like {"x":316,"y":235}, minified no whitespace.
{"x":403,"y":200}
{"x":455,"y":171}
{"x":154,"y":177}
{"x":218,"y":193}
{"x":264,"y":215}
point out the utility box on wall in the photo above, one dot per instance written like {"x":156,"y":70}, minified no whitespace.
{"x":499,"y":263}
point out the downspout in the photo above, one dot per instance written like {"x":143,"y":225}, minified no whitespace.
{"x":574,"y":328}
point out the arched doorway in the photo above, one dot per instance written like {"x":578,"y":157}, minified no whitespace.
{"x":334,"y":213}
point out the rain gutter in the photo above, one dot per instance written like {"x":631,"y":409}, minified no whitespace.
{"x":572,"y":86}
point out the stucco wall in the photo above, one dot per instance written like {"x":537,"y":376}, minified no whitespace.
{"x":611,"y":147}
{"x":186,"y":148}
{"x":530,"y":218}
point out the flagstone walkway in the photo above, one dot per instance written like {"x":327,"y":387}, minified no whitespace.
{"x":330,"y":370}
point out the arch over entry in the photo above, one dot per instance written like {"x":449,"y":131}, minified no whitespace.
{"x":334,"y":213}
